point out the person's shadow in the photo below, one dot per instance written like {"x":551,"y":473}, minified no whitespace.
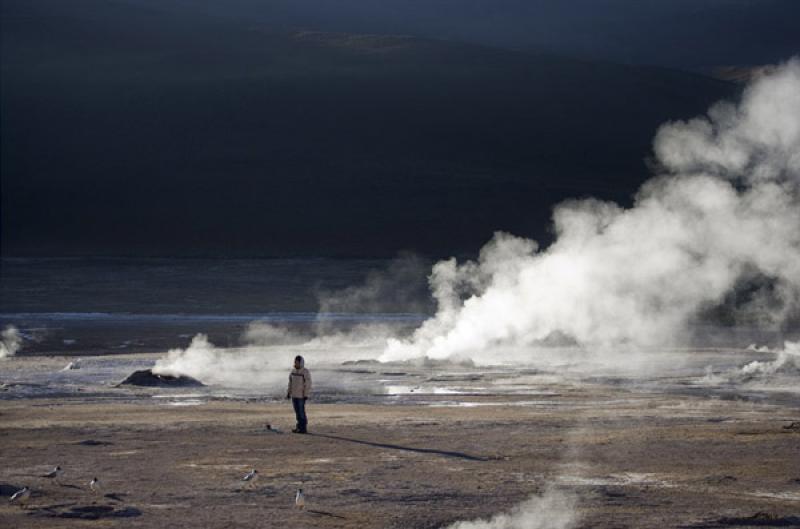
{"x":445,"y":453}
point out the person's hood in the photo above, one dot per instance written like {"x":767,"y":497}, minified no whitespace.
{"x":302,"y":363}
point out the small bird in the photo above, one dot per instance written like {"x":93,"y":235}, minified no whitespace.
{"x":94,"y":485}
{"x":300,"y":500}
{"x":251,"y":477}
{"x":72,"y":365}
{"x":56,"y":472}
{"x":21,"y":497}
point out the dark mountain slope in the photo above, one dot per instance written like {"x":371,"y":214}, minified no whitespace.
{"x":128,"y":130}
{"x":684,"y":34}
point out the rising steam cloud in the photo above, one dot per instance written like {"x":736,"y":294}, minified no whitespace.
{"x":227,"y":367}
{"x":552,"y":510}
{"x":786,"y":362}
{"x":10,"y":342}
{"x":264,"y":361}
{"x":722,"y":216}
{"x":723,"y":212}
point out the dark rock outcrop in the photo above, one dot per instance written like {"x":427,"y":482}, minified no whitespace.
{"x":147,"y":378}
{"x":94,"y":442}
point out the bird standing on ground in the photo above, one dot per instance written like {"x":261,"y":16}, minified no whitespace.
{"x":251,"y":477}
{"x":72,"y":365}
{"x":300,"y":499}
{"x":94,"y":485}
{"x":21,"y":497}
{"x":55,"y":473}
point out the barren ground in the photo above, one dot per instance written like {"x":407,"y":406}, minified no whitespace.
{"x":633,"y":459}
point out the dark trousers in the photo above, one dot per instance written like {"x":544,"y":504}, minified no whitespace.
{"x":300,"y":412}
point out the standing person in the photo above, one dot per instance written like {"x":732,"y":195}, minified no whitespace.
{"x":299,"y":390}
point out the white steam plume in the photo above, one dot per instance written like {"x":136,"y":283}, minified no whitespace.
{"x":268,"y":348}
{"x":11,"y":342}
{"x":265,"y":361}
{"x":786,"y":362}
{"x":400,"y":287}
{"x":552,"y":510}
{"x":788,"y":359}
{"x":724,"y":212}
{"x":229,"y":367}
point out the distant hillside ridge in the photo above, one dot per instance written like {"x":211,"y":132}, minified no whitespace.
{"x":129,"y":130}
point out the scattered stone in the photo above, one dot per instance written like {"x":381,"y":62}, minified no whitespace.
{"x":795,"y":426}
{"x":147,"y":378}
{"x":721,"y":480}
{"x":94,"y":442}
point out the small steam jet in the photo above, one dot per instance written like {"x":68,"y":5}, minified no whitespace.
{"x":20,"y":497}
{"x":300,"y":500}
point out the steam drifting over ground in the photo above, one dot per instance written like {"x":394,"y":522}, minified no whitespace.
{"x":10,"y":342}
{"x":718,"y":228}
{"x":722,"y":216}
{"x":786,"y":363}
{"x":552,"y":510}
{"x":263,"y":362}
{"x":213,"y":365}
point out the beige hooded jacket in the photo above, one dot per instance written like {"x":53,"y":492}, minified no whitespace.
{"x":299,"y":383}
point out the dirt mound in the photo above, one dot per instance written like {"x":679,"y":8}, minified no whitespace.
{"x":146,"y":377}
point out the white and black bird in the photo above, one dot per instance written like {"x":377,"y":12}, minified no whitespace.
{"x":94,"y":485}
{"x":55,"y":473}
{"x":300,"y":499}
{"x":20,"y":497}
{"x":251,"y":477}
{"x":72,"y":365}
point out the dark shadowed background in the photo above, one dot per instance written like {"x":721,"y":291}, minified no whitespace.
{"x":342,"y":129}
